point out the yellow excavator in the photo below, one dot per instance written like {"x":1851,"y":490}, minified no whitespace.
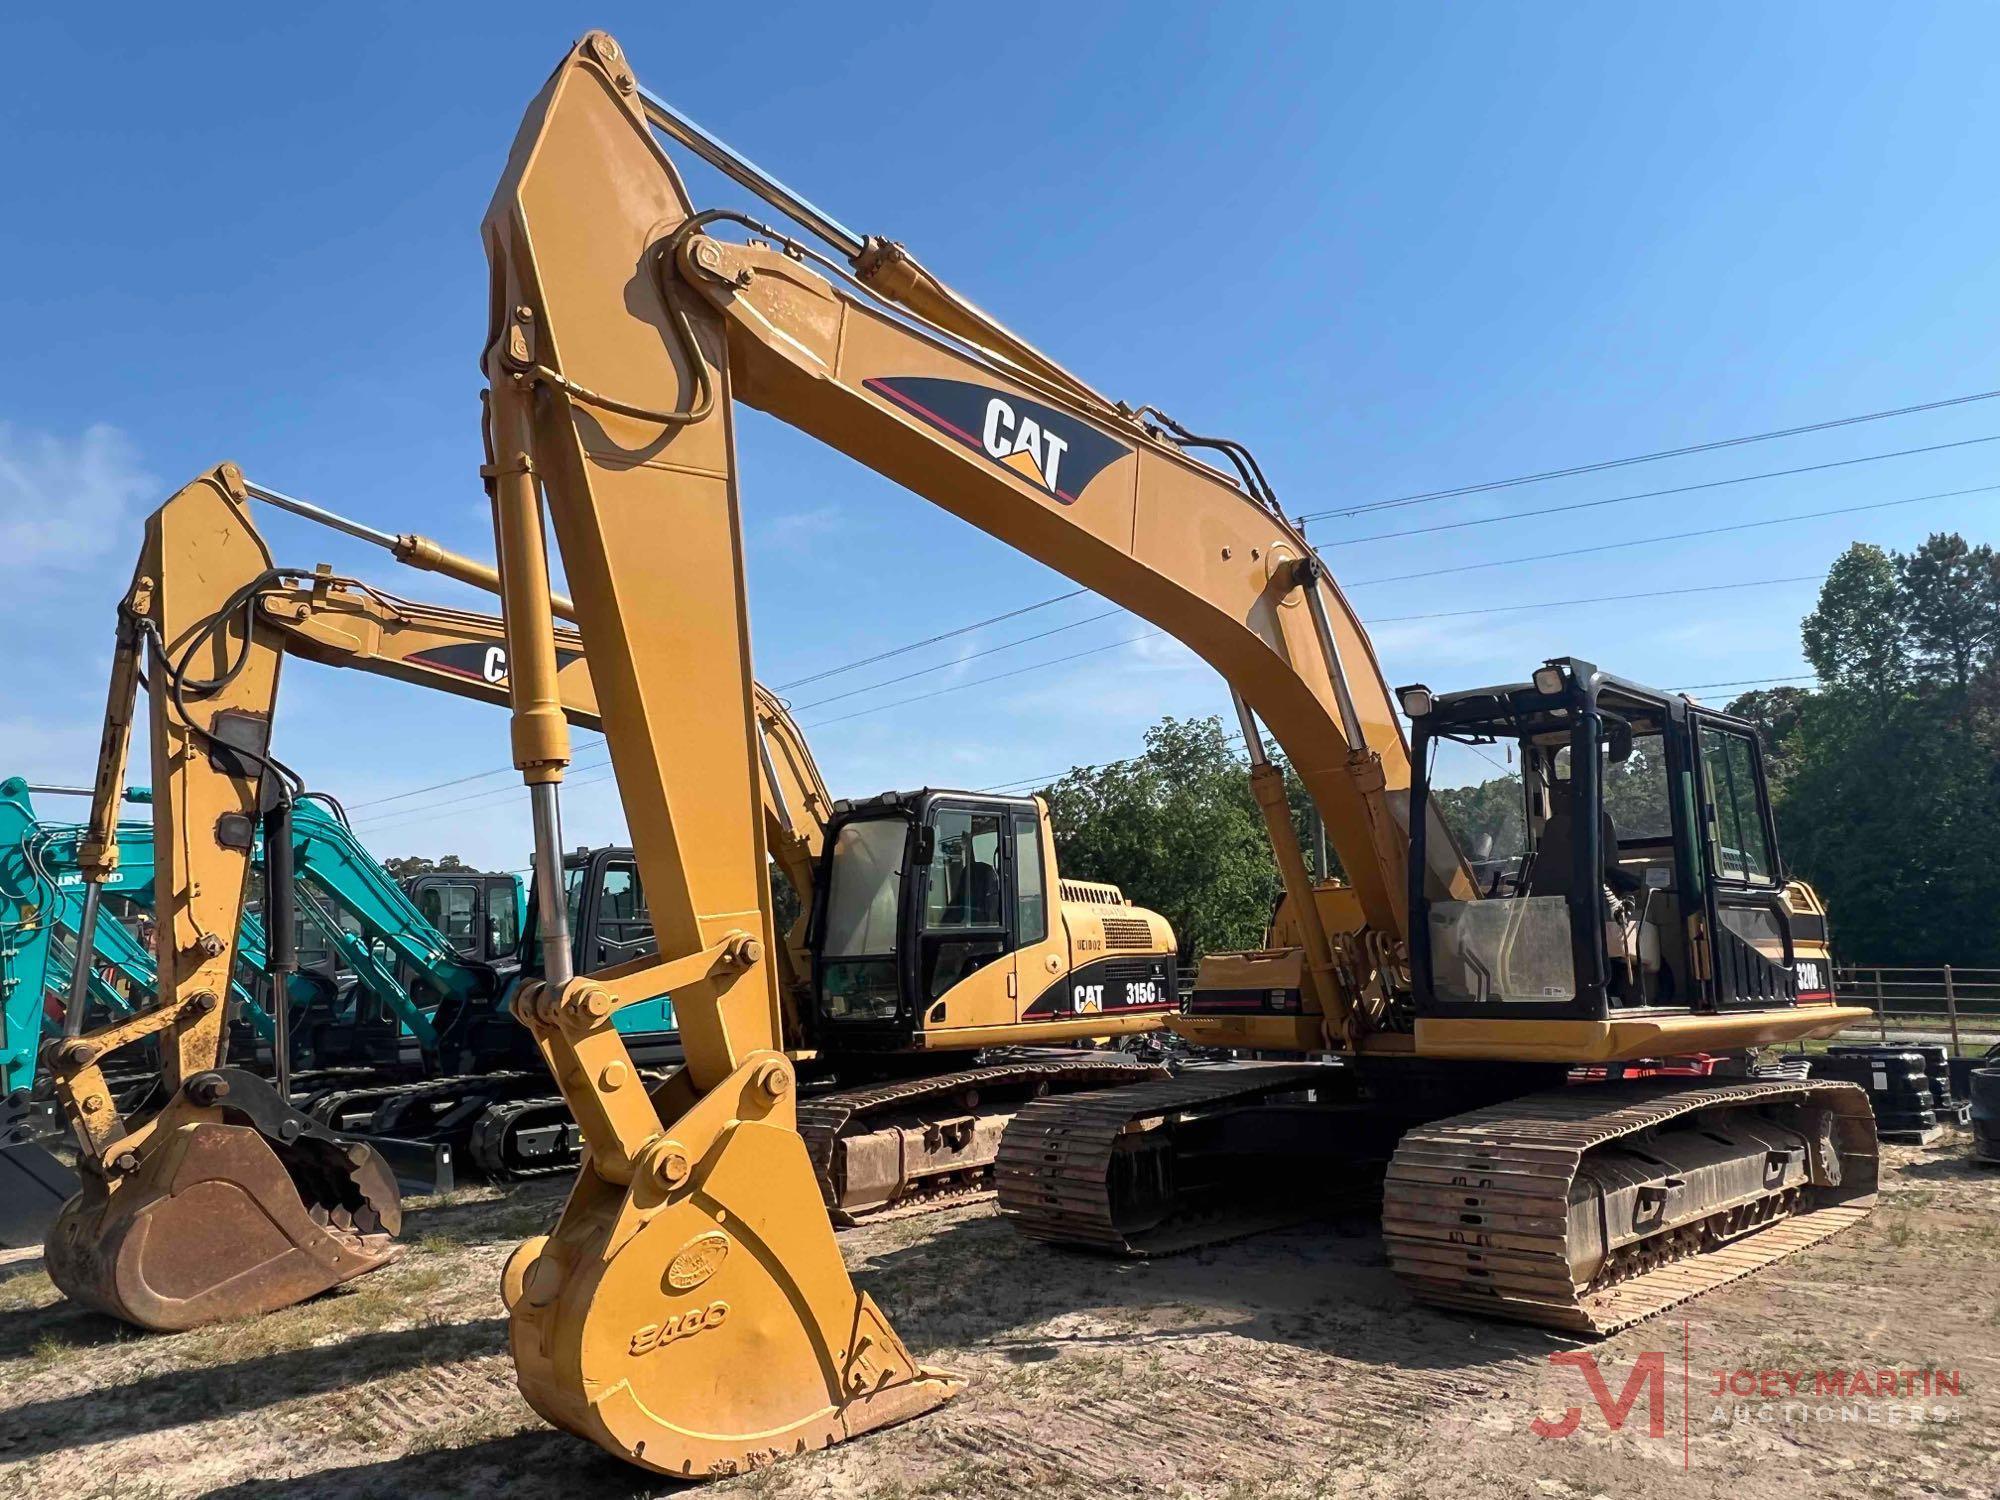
{"x":191,"y":1213}
{"x":890,"y":995}
{"x":690,"y":1311}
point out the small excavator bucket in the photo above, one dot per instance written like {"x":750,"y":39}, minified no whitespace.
{"x":228,"y":1209}
{"x":700,"y":1321}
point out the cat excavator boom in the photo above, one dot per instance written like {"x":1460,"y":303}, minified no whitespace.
{"x":690,"y":1310}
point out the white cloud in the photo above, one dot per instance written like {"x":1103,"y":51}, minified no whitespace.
{"x":799,"y":529}
{"x":65,"y":502}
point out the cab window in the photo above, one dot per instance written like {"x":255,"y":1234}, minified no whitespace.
{"x":624,"y":924}
{"x":1743,"y":852}
{"x":1031,"y":910}
{"x":453,"y":911}
{"x":503,"y":917}
{"x":964,"y":888}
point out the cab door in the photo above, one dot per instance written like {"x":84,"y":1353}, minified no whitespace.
{"x":1041,"y":959}
{"x":1750,"y":940}
{"x":965,"y":930}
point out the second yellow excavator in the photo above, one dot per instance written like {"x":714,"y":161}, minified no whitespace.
{"x":942,"y":970}
{"x":223,"y":1200}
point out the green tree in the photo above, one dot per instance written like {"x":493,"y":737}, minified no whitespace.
{"x":1854,"y":636}
{"x":1178,"y":830}
{"x":1777,"y":713}
{"x":1489,"y":820}
{"x":1950,"y":598}
{"x":1888,"y":777}
{"x":403,"y":866}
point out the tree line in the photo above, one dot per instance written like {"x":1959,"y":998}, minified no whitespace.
{"x":1886,"y":774}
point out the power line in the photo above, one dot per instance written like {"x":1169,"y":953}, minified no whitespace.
{"x":959,"y":687}
{"x":1674,"y":536}
{"x":1476,"y":489}
{"x":960,"y":661}
{"x":1103,"y":765}
{"x":1747,"y":682}
{"x":1679,"y":489}
{"x":400,"y":820}
{"x":1361,"y":583}
{"x":436,"y":786}
{"x":1502,"y":609}
{"x":1647,"y":458}
{"x":1448,"y":614}
{"x":381,"y":821}
{"x":1398,"y":501}
{"x":869,"y":661}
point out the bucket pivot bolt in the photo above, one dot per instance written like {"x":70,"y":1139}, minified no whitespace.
{"x":207,"y":1090}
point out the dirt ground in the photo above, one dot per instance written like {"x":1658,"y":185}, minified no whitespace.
{"x":1289,"y":1365}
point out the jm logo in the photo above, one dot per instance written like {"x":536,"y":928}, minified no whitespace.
{"x":1022,"y":444}
{"x":1648,"y":1378}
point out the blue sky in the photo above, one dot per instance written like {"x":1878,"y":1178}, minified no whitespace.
{"x":1392,"y":248}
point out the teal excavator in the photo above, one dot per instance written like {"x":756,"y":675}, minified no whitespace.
{"x":362,"y":1007}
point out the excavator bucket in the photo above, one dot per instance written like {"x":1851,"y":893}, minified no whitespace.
{"x":234,"y":1209}
{"x":700,"y":1321}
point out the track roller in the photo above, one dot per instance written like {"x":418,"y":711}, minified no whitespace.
{"x":1594,"y":1207}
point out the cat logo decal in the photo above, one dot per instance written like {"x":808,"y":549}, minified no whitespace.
{"x":1051,"y":450}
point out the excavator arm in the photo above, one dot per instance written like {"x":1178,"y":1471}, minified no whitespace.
{"x":623,"y":331}
{"x":879,"y":360}
{"x":343,"y":622}
{"x":210,"y":617}
{"x":223,"y":1201}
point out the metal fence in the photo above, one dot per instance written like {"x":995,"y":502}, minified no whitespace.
{"x":1961,"y":1004}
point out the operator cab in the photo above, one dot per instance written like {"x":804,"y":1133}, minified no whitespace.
{"x":1647,"y":877}
{"x":921,"y":897}
{"x":479,"y":915}
{"x":609,"y":924}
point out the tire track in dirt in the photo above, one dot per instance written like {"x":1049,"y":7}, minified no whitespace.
{"x":1226,"y":1413}
{"x":414,"y":1408}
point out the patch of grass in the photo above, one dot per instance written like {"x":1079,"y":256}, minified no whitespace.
{"x":474,"y":1427}
{"x":27,"y":1483}
{"x":505,"y":1222}
{"x":1901,"y":1232}
{"x":48,"y":1351}
{"x":400,"y":1293}
{"x":26,"y":1290}
{"x":975,"y":1479}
